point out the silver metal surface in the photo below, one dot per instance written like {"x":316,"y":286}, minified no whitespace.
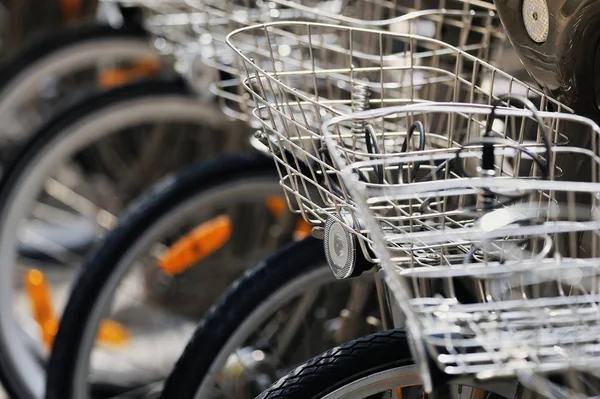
{"x":295,"y":94}
{"x":536,"y":19}
{"x":199,"y":27}
{"x":340,"y":248}
{"x":528,"y":267}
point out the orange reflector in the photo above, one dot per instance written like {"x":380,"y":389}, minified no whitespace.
{"x":111,"y":332}
{"x":303,"y":229}
{"x":113,"y":78}
{"x":143,"y":68}
{"x":201,"y":242}
{"x":399,"y":393}
{"x":71,"y":9}
{"x":276,"y":205}
{"x":41,"y":304}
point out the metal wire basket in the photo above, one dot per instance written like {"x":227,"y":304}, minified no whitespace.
{"x":489,"y":241}
{"x":335,"y":75}
{"x":195,"y":31}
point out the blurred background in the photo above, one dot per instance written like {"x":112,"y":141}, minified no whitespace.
{"x":82,"y":197}
{"x":23,"y":20}
{"x":108,"y":164}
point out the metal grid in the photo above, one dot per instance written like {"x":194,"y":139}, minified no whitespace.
{"x":496,"y":264}
{"x":195,"y":31}
{"x":339,"y":70}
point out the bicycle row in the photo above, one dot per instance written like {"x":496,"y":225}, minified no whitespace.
{"x":433,"y":204}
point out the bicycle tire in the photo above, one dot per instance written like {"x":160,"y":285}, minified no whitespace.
{"x":385,"y":355}
{"x":68,"y":49}
{"x":18,"y":366}
{"x":48,"y":54}
{"x":339,"y":366}
{"x":102,"y":262}
{"x":228,"y":315}
{"x":38,"y":49}
{"x":87,"y":102}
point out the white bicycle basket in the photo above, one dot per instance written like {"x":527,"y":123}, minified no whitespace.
{"x":489,"y":241}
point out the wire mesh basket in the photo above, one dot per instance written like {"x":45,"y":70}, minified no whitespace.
{"x":195,"y":31}
{"x":335,"y":74}
{"x":489,"y":241}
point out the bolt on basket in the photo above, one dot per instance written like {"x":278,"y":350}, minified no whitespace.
{"x":489,"y":242}
{"x":195,"y":31}
{"x":335,"y":75}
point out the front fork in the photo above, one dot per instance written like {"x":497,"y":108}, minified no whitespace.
{"x":353,"y":316}
{"x":391,"y":316}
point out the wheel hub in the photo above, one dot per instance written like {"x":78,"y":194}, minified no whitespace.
{"x":247,"y":372}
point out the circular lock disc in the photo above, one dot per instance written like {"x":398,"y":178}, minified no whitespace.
{"x":537,"y":19}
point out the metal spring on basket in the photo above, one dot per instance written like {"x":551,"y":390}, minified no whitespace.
{"x":360,"y":101}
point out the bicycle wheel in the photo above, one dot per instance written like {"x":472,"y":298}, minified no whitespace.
{"x":378,"y":365}
{"x":38,"y":165}
{"x":114,"y":280}
{"x":36,"y":71}
{"x":47,"y":74}
{"x":246,"y":341}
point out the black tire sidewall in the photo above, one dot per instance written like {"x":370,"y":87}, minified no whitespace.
{"x":52,"y":130}
{"x":235,"y":306}
{"x":100,"y":264}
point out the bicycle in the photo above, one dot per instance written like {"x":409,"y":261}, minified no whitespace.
{"x":33,"y":171}
{"x":368,"y":171}
{"x":82,"y":344}
{"x":506,"y":246}
{"x":146,"y":258}
{"x":195,"y":374}
{"x":414,"y":210}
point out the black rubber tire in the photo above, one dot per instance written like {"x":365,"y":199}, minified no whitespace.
{"x":36,"y":51}
{"x":342,"y":365}
{"x":51,"y":130}
{"x":82,"y":108}
{"x":360,"y":358}
{"x":102,"y":261}
{"x":69,"y":116}
{"x":226,"y":316}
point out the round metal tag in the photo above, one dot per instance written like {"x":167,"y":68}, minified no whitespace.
{"x":537,"y":19}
